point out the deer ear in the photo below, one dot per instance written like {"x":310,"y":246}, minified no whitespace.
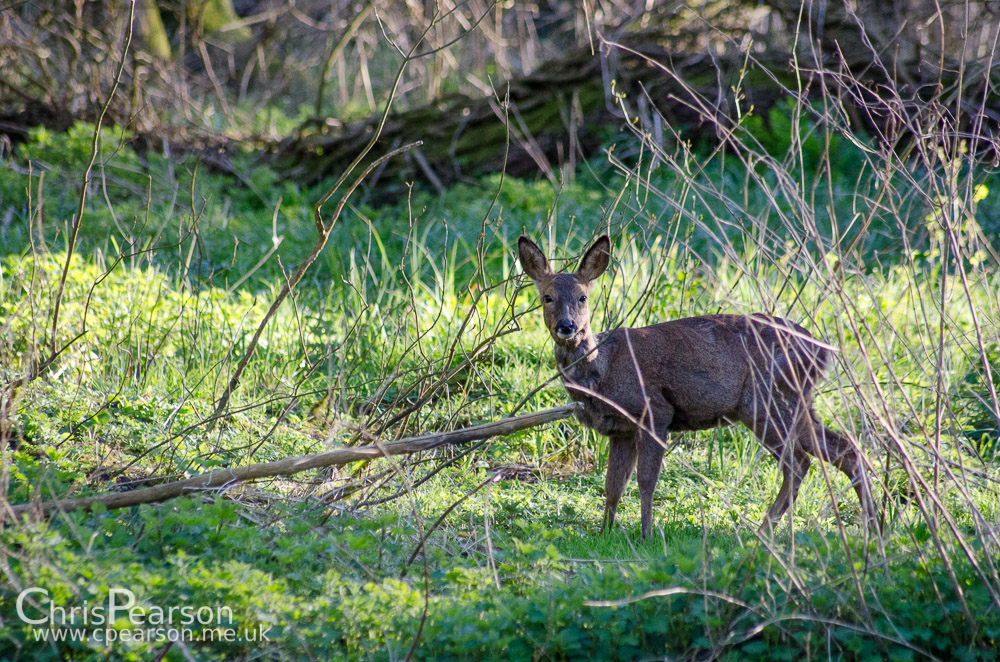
{"x":595,"y":262}
{"x":532,"y":259}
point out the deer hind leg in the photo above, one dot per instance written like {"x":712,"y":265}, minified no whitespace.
{"x":777,"y":433}
{"x":838,"y":450}
{"x":621,"y":461}
{"x":793,"y":471}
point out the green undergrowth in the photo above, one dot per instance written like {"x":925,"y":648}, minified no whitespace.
{"x":413,"y":320}
{"x":342,"y":588}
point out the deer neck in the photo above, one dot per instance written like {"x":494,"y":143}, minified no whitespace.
{"x":582,"y":363}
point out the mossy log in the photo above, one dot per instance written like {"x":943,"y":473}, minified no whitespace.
{"x":562,"y":112}
{"x":555,"y":116}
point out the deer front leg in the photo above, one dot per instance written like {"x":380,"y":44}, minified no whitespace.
{"x":650,"y":461}
{"x":651,"y":450}
{"x":621,"y":462}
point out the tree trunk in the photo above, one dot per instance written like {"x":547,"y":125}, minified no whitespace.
{"x":151,"y":28}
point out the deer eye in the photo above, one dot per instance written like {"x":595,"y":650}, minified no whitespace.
{"x":583,"y":299}
{"x":547,"y":299}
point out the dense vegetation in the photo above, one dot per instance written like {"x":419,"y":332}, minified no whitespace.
{"x":168,"y":282}
{"x":855,"y":193}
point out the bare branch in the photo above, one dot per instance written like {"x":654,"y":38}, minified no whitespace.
{"x":227,"y":477}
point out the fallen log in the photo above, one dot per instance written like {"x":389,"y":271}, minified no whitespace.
{"x":564,"y":110}
{"x":551,"y":118}
{"x":336,"y":457}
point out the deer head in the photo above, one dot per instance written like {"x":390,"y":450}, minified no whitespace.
{"x":565,"y":296}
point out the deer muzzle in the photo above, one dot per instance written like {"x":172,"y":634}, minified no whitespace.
{"x":565,"y":329}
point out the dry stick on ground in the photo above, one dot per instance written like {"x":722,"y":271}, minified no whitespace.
{"x":224,"y":478}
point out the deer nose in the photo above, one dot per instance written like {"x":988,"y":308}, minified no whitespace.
{"x":565,"y":329}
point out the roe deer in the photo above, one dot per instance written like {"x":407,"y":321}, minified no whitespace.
{"x":688,"y":374}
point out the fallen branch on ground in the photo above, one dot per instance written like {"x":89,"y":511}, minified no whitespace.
{"x":337,"y":457}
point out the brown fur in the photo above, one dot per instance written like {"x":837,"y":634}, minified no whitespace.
{"x":688,"y":374}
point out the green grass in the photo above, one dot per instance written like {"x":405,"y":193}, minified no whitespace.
{"x":391,"y":316}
